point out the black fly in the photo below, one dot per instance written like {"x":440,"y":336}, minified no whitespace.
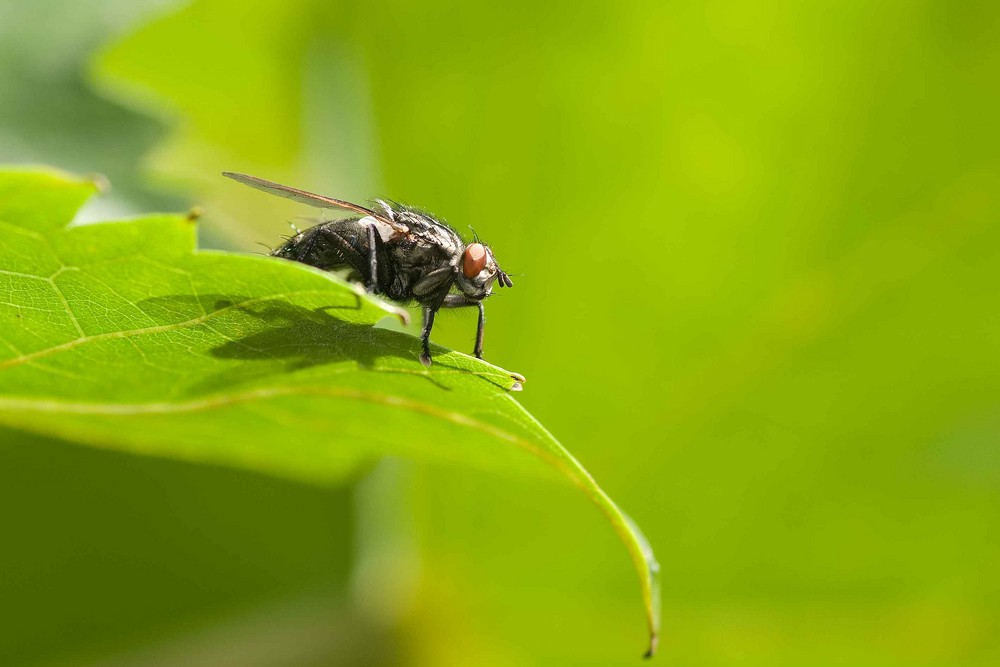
{"x":397,"y":251}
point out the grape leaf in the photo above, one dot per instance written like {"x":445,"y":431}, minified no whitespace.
{"x":123,"y":335}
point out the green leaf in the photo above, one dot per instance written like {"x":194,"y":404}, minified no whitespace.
{"x":122,"y":335}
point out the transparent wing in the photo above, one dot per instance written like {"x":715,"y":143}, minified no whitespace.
{"x":303,"y":197}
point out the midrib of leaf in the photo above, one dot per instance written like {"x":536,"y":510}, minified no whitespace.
{"x":126,"y":333}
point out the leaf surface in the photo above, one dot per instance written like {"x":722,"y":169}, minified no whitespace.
{"x":123,"y":335}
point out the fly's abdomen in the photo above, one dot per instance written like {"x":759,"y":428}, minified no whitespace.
{"x":346,"y":244}
{"x":331,"y":246}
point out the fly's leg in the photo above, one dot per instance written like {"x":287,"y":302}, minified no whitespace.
{"x":372,"y":261}
{"x":461,"y":301}
{"x":480,"y":329}
{"x":425,"y":335}
{"x":431,"y":307}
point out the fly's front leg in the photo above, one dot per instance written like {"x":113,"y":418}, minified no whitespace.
{"x":461,"y":301}
{"x":480,"y":329}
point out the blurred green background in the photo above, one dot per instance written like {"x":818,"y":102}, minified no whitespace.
{"x":760,"y":248}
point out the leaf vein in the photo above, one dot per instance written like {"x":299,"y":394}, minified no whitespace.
{"x":111,"y":335}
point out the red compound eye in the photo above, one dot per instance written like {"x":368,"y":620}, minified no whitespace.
{"x":474,"y":260}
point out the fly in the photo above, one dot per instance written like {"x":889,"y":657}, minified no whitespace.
{"x":397,"y":251}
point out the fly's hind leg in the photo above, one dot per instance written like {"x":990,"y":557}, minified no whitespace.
{"x":372,"y":261}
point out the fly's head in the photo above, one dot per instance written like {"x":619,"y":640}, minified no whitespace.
{"x":479,"y":272}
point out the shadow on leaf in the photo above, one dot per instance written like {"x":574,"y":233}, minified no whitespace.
{"x":282,"y":338}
